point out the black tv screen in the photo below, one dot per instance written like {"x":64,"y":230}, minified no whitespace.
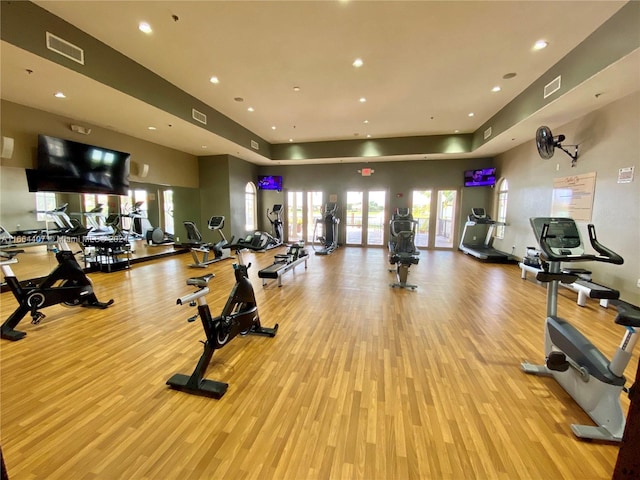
{"x":270,"y":182}
{"x":68,"y":166}
{"x":484,"y":177}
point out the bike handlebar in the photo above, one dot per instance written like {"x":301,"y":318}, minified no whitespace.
{"x":192,"y":296}
{"x":606,"y":255}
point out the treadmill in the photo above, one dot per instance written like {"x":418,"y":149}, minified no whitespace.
{"x":477,"y":238}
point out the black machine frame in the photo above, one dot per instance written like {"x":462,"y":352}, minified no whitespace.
{"x":66,"y":284}
{"x":239,"y":317}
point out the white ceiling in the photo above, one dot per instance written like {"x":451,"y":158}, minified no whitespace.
{"x":427,"y":65}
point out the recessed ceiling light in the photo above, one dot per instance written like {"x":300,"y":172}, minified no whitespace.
{"x":152,"y":128}
{"x":239,"y":99}
{"x":362,"y":99}
{"x":296,"y":89}
{"x":60,"y":95}
{"x":273,"y":127}
{"x":471,"y":114}
{"x":508,"y":76}
{"x":540,"y":44}
{"x":204,"y":147}
{"x":456,"y":131}
{"x":366,"y":121}
{"x":144,"y":27}
{"x":368,"y":135}
{"x":496,"y":89}
{"x":291,"y":140}
{"x":358,"y":63}
{"x":250,"y":109}
{"x":214,"y":80}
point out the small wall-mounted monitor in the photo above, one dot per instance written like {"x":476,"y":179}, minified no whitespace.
{"x":270,"y":182}
{"x":483,"y":177}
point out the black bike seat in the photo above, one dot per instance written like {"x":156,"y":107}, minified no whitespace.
{"x":628,"y":314}
{"x":200,"y":281}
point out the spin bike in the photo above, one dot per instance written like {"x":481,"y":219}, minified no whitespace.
{"x":66,"y":284}
{"x":276,"y":223}
{"x":594,"y":381}
{"x":239,"y":316}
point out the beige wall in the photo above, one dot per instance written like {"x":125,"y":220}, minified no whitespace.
{"x":609,"y":139}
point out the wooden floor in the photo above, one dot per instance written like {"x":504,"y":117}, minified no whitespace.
{"x":361,"y":382}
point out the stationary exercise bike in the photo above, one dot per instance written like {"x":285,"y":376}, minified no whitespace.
{"x":594,"y":381}
{"x":402,"y":248}
{"x":276,"y":223}
{"x":198,"y":245}
{"x":239,"y":316}
{"x":66,"y":284}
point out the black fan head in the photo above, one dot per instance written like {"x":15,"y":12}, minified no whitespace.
{"x":545,"y":142}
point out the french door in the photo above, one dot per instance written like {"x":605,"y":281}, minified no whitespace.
{"x":366,"y":221}
{"x":294,"y":216}
{"x":438,"y":217}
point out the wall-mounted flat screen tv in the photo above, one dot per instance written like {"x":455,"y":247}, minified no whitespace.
{"x":483,"y":177}
{"x":68,"y":166}
{"x":270,"y":182}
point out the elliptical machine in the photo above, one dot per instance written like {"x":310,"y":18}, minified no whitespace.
{"x":402,"y":249}
{"x":594,"y":381}
{"x":66,"y":284}
{"x":276,"y":223}
{"x":329,"y":226}
{"x":239,"y":316}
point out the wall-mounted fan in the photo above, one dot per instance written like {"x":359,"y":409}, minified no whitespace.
{"x":547,"y":143}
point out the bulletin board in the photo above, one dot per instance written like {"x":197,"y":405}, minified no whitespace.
{"x":573,"y":196}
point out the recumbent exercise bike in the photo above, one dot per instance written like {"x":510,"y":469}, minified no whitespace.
{"x":66,"y":284}
{"x":239,"y":316}
{"x":594,"y":381}
{"x":402,"y":249}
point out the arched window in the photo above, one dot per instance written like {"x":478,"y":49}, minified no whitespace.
{"x":251,"y":208}
{"x":503,"y":191}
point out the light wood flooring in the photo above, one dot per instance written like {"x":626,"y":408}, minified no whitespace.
{"x":362,"y":381}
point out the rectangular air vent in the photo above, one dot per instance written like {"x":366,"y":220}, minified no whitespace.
{"x":199,"y":116}
{"x":552,"y":87}
{"x":64,"y":48}
{"x":255,"y":145}
{"x":487,"y":133}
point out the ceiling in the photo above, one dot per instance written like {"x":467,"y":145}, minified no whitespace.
{"x":427,"y":66}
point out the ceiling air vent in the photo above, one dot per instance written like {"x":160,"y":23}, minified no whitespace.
{"x":552,"y":87}
{"x":487,"y":133}
{"x":255,"y":145}
{"x":64,"y":48}
{"x":199,"y":116}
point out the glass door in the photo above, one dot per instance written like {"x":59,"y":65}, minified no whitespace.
{"x":294,"y":216}
{"x":445,"y":226}
{"x":421,"y":211}
{"x":167,"y":209}
{"x":354,"y":215}
{"x":314,"y":212}
{"x":376,"y":217}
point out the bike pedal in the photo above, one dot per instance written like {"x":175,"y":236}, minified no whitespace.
{"x":557,"y":361}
